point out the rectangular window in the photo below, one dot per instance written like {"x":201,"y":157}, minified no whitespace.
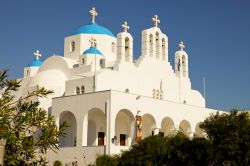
{"x":161,"y":134}
{"x":72,"y":46}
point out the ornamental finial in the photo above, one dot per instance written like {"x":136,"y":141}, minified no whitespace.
{"x":93,"y":14}
{"x":125,"y":26}
{"x":92,"y":42}
{"x":156,"y":20}
{"x":181,"y":45}
{"x":37,"y":54}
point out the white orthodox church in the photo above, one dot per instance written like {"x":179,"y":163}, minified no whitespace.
{"x":110,"y":99}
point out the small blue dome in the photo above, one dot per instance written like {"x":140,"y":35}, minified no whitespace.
{"x":92,"y":50}
{"x":35,"y":63}
{"x":93,"y":28}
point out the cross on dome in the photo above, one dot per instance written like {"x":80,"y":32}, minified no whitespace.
{"x":156,"y":20}
{"x":125,"y":26}
{"x":37,"y":54}
{"x":181,"y":45}
{"x":92,"y":42}
{"x":93,"y":14}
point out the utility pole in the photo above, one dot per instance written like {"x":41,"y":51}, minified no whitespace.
{"x":204,"y":88}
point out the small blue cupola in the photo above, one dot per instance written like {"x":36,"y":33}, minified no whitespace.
{"x":92,"y":50}
{"x":92,"y":55}
{"x":36,"y":62}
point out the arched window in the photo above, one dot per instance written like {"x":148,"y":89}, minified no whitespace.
{"x":83,"y":60}
{"x":151,"y":44}
{"x":27,"y":72}
{"x":82,"y":89}
{"x":157,"y":41}
{"x":102,"y":63}
{"x":77,"y":90}
{"x":72,"y":46}
{"x":127,"y":42}
{"x":163,"y":48}
{"x":184,"y":65}
{"x":183,"y":59}
{"x":113,"y":47}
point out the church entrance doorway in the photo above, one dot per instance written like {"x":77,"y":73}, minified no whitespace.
{"x":122,"y":139}
{"x":101,"y":138}
{"x":69,"y":140}
{"x":148,"y":125}
{"x":96,"y":127}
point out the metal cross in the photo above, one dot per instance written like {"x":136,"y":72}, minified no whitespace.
{"x":93,"y":14}
{"x":125,"y":26}
{"x":156,"y":20}
{"x":37,"y":54}
{"x":92,"y":42}
{"x":181,"y":45}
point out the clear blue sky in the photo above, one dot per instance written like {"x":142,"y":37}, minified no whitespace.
{"x":216,"y":34}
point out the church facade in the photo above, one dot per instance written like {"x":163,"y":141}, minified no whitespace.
{"x":111,"y":100}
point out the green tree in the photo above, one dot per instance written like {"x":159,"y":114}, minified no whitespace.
{"x":229,"y":135}
{"x":28,"y":130}
{"x":227,"y":143}
{"x":171,"y":150}
{"x":149,"y":150}
{"x":106,"y":160}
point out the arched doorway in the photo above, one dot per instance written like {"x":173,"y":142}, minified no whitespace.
{"x":185,"y":127}
{"x":148,"y":125}
{"x":69,"y":139}
{"x":96,"y":127}
{"x":124,"y":127}
{"x":167,"y":126}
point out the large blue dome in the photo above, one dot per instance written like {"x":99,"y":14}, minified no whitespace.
{"x":93,"y":28}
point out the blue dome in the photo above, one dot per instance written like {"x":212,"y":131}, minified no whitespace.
{"x":92,"y":50}
{"x":93,"y":28}
{"x":35,"y":63}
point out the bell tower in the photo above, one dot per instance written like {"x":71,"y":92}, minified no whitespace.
{"x":181,"y":62}
{"x":125,"y":44}
{"x":154,"y":42}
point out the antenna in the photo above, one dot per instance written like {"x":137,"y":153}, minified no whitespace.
{"x":204,"y":88}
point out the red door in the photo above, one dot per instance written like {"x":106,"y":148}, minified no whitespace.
{"x":100,"y":138}
{"x":122,"y":139}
